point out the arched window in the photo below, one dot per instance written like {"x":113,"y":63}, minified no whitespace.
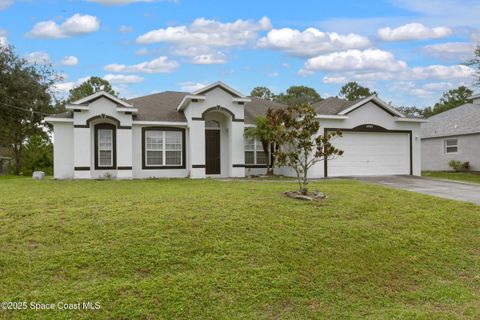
{"x":212,"y":124}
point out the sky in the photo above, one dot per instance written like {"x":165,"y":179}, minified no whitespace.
{"x":409,"y":51}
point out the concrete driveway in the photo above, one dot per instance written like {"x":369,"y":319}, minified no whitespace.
{"x":445,"y":189}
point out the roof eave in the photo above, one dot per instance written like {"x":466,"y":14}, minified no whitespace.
{"x":186,"y":100}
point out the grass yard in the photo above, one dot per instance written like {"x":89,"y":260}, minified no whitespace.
{"x":191,"y":249}
{"x":459,"y":176}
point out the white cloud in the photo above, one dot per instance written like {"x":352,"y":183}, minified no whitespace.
{"x":122,"y":78}
{"x":423,"y":91}
{"x":413,"y":31}
{"x":75,"y":25}
{"x":38,"y":57}
{"x":159,"y":65}
{"x":3,"y":38}
{"x":69,"y":61}
{"x":441,"y":72}
{"x":5,"y":4}
{"x":125,"y":29}
{"x":311,"y":42}
{"x":64,"y":87}
{"x":123,"y":2}
{"x":210,"y":33}
{"x":191,"y":86}
{"x":209,"y":58}
{"x":451,"y":50}
{"x":354,"y":60}
{"x":201,"y":40}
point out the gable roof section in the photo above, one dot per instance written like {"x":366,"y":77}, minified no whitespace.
{"x":222,"y":85}
{"x":101,"y":94}
{"x":159,"y":107}
{"x":458,"y":121}
{"x":377,"y":101}
{"x":332,"y":106}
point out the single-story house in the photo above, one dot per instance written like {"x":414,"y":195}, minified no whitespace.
{"x":201,"y":134}
{"x":452,"y":135}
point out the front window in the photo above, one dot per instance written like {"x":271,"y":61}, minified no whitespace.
{"x":451,"y":146}
{"x":163,"y":148}
{"x":105,"y":146}
{"x":254,"y":153}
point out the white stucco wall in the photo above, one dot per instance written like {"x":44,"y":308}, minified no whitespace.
{"x":434,"y":157}
{"x":63,"y":150}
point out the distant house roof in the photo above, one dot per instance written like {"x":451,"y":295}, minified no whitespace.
{"x":458,"y":121}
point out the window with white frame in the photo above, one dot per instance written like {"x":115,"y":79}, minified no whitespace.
{"x":163,"y":148}
{"x":105,"y":147}
{"x":254,"y":154}
{"x":451,"y":145}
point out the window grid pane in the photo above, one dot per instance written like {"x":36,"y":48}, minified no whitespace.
{"x":249,"y":157}
{"x":163,"y":148}
{"x":261,"y":158}
{"x":105,"y":147}
{"x":154,"y":158}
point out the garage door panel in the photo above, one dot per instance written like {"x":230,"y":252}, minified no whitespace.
{"x":371,"y":153}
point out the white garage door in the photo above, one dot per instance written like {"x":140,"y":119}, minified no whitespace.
{"x":371,"y":153}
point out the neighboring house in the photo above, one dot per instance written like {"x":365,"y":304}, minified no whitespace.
{"x":452,"y":135}
{"x":201,"y":134}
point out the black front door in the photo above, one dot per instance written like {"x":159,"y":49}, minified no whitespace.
{"x":212,"y":151}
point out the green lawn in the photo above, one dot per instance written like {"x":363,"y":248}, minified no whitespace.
{"x":459,"y":176}
{"x":190,"y":249}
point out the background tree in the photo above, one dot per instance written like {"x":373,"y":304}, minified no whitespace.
{"x":411,"y":111}
{"x":298,"y":95}
{"x":451,"y":99}
{"x":262,"y":93}
{"x":353,"y":91}
{"x":89,"y":87}
{"x":38,"y":154}
{"x":264,"y":132}
{"x":25,"y":98}
{"x":300,"y":146}
{"x":475,"y":62}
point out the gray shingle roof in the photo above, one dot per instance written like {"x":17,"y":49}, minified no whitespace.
{"x":159,"y":107}
{"x":258,"y":107}
{"x":163,"y":107}
{"x":333,"y":105}
{"x":461,"y":120}
{"x":66,"y":114}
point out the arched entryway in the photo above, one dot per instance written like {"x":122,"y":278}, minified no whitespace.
{"x":216,"y":143}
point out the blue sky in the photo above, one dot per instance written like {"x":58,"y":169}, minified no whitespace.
{"x":410,"y":51}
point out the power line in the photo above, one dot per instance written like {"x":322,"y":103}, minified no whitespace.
{"x":29,"y":110}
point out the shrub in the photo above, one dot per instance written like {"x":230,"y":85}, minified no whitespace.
{"x":459,"y":165}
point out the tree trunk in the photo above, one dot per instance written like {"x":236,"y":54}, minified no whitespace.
{"x":18,"y":158}
{"x":266,"y":149}
{"x":305,"y":174}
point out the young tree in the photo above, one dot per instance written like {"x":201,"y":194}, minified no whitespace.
{"x":25,"y":98}
{"x":451,"y":99}
{"x":298,"y":95}
{"x":353,"y":91}
{"x":299,"y":144}
{"x":89,"y":87}
{"x":262,"y":93}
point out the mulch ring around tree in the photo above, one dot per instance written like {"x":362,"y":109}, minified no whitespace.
{"x":310,"y":196}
